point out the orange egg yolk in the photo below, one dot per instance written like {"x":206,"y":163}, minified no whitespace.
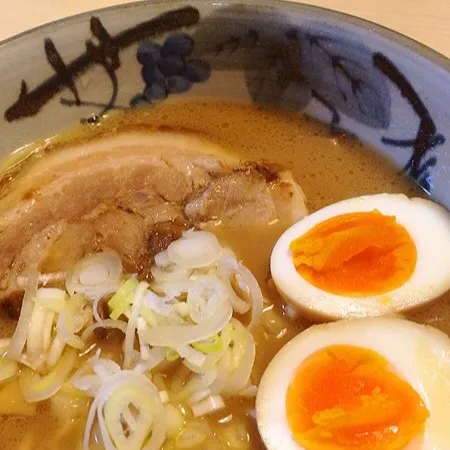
{"x":357,"y":254}
{"x":345,"y":397}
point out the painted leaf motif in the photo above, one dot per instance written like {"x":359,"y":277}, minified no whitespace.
{"x":342,"y":73}
{"x":271,"y":84}
{"x":227,"y":41}
{"x":251,"y":41}
{"x":286,"y":67}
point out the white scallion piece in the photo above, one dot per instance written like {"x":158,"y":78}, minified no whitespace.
{"x":209,"y":405}
{"x":95,"y":276}
{"x":157,"y":304}
{"x":195,"y":249}
{"x":198,"y":383}
{"x":21,"y":332}
{"x":105,"y":368}
{"x":73,"y":317}
{"x":176,"y":336}
{"x":193,"y":356}
{"x":35,"y":344}
{"x":199,"y":396}
{"x":47,"y":330}
{"x":242,"y":368}
{"x":93,"y":373}
{"x":248,"y":282}
{"x":204,"y":296}
{"x":155,"y":355}
{"x":111,"y":408}
{"x":55,"y":352}
{"x":107,"y":323}
{"x":36,"y":388}
{"x":51,"y":298}
{"x":227,"y":268}
{"x":130,"y":332}
{"x":181,"y":308}
{"x":164,"y":396}
{"x":162,"y":259}
{"x":169,"y":274}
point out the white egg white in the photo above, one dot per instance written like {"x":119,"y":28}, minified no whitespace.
{"x":417,"y":353}
{"x":427,"y":223}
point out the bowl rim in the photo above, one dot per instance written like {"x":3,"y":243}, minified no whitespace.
{"x":400,"y":39}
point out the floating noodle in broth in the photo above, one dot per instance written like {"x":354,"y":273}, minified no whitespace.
{"x":137,"y":305}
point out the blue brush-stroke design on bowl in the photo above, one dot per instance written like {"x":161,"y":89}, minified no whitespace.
{"x":168,"y":69}
{"x":104,"y":51}
{"x":295,"y":67}
{"x":290,"y":66}
{"x":427,"y":136}
{"x":285,"y":66}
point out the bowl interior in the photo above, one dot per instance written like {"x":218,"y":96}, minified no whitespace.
{"x":386,"y":90}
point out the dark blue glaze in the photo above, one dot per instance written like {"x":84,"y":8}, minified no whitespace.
{"x":180,"y":44}
{"x":148,"y":53}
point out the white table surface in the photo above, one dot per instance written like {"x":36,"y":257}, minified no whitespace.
{"x":427,"y":21}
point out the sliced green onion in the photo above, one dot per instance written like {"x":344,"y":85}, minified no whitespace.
{"x":226,"y":335}
{"x":209,"y":405}
{"x":121,"y":300}
{"x":239,"y":338}
{"x":51,"y":298}
{"x":36,"y":388}
{"x":212,"y":345}
{"x":149,"y":316}
{"x":128,"y":430}
{"x":171,"y":355}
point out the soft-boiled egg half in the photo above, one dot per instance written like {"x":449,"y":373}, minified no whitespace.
{"x":367,"y":384}
{"x":365,"y":256}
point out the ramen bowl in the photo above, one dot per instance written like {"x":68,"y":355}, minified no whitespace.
{"x":176,"y":230}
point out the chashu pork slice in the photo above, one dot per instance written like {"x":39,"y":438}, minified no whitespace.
{"x":123,"y":193}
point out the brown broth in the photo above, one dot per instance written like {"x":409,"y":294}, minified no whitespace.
{"x":329,"y":167}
